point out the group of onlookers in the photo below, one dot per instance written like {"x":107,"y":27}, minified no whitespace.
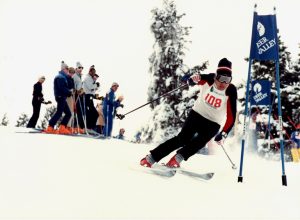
{"x":75,"y":99}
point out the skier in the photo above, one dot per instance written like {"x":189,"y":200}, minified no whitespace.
{"x":61,"y":92}
{"x":37,"y":100}
{"x":109,"y":108}
{"x":216,"y":100}
{"x":295,"y":148}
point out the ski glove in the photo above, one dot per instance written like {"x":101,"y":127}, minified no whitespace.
{"x":220,"y":138}
{"x":191,"y":79}
{"x":120,"y":116}
{"x":46,"y":103}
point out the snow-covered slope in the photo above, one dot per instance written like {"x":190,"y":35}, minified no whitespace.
{"x":54,"y":176}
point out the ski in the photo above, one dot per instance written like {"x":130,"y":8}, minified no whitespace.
{"x":203,"y":176}
{"x":156,"y":169}
{"x":37,"y":131}
{"x":163,"y":171}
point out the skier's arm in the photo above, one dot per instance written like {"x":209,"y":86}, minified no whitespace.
{"x":231,"y":108}
{"x":206,"y":78}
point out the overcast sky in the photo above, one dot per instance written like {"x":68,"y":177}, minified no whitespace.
{"x":114,"y":35}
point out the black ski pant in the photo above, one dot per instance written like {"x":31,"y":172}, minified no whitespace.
{"x":36,"y":113}
{"x":91,"y":112}
{"x":62,"y":107}
{"x":194,"y":135}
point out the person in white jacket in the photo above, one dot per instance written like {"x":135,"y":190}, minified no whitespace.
{"x":79,"y":93}
{"x":90,"y":86}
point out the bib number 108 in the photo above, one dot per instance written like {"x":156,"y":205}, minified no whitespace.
{"x":213,"y":101}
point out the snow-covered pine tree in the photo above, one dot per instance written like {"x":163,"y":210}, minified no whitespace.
{"x":166,"y":71}
{"x":22,"y":120}
{"x":294,"y":97}
{"x":288,"y":81}
{"x":4,"y":121}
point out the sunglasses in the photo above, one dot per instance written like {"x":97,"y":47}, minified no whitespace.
{"x":80,"y":67}
{"x":224,"y":79}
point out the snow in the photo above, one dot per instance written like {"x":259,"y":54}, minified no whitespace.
{"x":55,"y":176}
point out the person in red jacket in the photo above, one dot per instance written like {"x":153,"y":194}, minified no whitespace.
{"x":216,"y":103}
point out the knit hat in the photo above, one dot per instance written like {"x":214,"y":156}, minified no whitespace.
{"x":224,"y":67}
{"x":114,"y":84}
{"x":92,"y":67}
{"x":64,"y":65}
{"x":78,"y":65}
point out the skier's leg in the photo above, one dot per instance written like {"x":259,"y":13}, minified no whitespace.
{"x":205,"y":134}
{"x":186,"y":134}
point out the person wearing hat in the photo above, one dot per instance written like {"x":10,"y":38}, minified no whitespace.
{"x":37,"y":100}
{"x":90,"y":86}
{"x":61,"y":92}
{"x":215,"y":104}
{"x":110,"y":104}
{"x":77,"y":77}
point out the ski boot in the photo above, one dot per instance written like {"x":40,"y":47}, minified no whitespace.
{"x":147,"y":161}
{"x":175,"y":161}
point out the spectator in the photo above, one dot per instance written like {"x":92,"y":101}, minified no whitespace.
{"x":138,"y":137}
{"x":121,"y":134}
{"x":109,"y":108}
{"x":37,"y":100}
{"x":100,"y":121}
{"x":90,"y":86}
{"x":295,"y":144}
{"x":70,"y":100}
{"x":61,"y":92}
{"x":79,"y":122}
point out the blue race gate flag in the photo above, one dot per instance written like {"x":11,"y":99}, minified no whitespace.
{"x":261,"y":92}
{"x":264,"y":42}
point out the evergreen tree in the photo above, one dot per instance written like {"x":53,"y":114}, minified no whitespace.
{"x":4,"y":121}
{"x":166,"y":69}
{"x":294,"y":96}
{"x":49,"y":113}
{"x":22,"y":120}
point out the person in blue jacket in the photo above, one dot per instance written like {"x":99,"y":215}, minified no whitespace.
{"x":110,"y":104}
{"x":295,"y":137}
{"x":61,"y":92}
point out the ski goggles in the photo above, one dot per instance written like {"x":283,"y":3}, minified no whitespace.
{"x":223,"y":79}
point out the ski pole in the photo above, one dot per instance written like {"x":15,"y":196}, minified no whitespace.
{"x":121,"y":116}
{"x":233,"y":165}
